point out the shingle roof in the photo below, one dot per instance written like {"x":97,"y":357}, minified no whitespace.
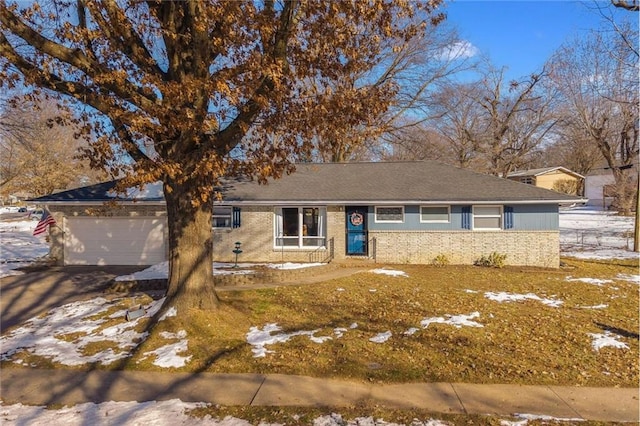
{"x":388,"y":182}
{"x":103,"y":192}
{"x":367,"y":183}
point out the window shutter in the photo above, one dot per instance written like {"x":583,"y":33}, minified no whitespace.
{"x":236,"y":217}
{"x":466,"y":217}
{"x":508,"y":217}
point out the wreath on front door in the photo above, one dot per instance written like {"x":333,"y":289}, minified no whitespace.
{"x":356,"y":219}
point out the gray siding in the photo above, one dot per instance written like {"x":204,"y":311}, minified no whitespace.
{"x":526,"y":217}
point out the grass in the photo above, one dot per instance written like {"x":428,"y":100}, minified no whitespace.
{"x":520,"y":342}
{"x":523,"y":342}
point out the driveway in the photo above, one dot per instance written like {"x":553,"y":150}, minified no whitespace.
{"x":40,"y":289}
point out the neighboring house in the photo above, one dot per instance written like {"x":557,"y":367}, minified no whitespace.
{"x":393,"y":212}
{"x":599,"y":188}
{"x":554,"y":178}
{"x":600,"y":185}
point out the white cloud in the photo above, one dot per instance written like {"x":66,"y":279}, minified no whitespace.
{"x":461,"y":49}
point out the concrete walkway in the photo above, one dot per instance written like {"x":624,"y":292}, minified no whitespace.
{"x":70,"y":387}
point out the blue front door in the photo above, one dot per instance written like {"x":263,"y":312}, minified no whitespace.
{"x":356,"y":230}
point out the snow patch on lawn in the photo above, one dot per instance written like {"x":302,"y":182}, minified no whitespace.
{"x":411,"y":331}
{"x":594,"y":281}
{"x":389,"y":272}
{"x":335,"y":419}
{"x":607,"y":339}
{"x":457,"y":321}
{"x":514,"y":297}
{"x":55,"y":336}
{"x":172,"y":412}
{"x":532,"y":417}
{"x":601,"y":306}
{"x":381,"y":337}
{"x":260,"y":338}
{"x":270,"y":334}
{"x":635,"y":279}
{"x":169,"y":355}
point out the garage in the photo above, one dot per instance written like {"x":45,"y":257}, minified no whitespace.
{"x":114,"y":240}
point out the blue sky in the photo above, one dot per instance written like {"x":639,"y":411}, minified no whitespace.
{"x":522,"y":35}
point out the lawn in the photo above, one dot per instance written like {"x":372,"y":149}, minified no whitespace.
{"x":573,"y":326}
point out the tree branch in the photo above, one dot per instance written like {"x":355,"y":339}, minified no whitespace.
{"x":632,"y":6}
{"x":165,"y":12}
{"x":126,"y":39}
{"x":129,"y":143}
{"x":51,"y":81}
{"x":228,"y":138}
{"x":74,"y":57}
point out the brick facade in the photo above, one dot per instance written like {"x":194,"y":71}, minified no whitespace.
{"x":257,"y":237}
{"x":532,"y":248}
{"x":256,"y":233}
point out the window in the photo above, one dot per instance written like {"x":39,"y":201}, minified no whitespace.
{"x":435,"y":214}
{"x":390,"y":214}
{"x":300,"y":227}
{"x":487,"y":217}
{"x":222,"y":217}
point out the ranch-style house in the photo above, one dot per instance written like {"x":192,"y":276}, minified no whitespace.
{"x":388,"y":212}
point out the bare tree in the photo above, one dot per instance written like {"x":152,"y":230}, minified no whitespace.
{"x":213,"y":88}
{"x":39,"y":149}
{"x":598,"y":78}
{"x":416,"y":68}
{"x":416,"y":142}
{"x":571,"y":148}
{"x":492,"y":125}
{"x":515,"y":123}
{"x":460,"y":122}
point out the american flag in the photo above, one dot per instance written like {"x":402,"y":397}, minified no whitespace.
{"x":43,"y":225}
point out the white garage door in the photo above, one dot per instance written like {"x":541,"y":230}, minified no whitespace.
{"x":115,"y":241}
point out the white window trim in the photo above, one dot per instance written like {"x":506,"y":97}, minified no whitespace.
{"x":230,"y":216}
{"x":375,"y":214}
{"x":501,"y":217}
{"x":277,"y":212}
{"x":436,"y":221}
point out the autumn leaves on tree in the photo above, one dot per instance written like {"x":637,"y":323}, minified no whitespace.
{"x":193,"y":91}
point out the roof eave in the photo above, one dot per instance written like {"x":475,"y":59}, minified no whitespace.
{"x":563,"y":169}
{"x":100,"y":202}
{"x":395,"y":202}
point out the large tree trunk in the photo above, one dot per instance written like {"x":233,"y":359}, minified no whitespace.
{"x":190,"y":262}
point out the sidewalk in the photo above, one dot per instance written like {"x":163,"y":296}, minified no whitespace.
{"x":70,"y":387}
